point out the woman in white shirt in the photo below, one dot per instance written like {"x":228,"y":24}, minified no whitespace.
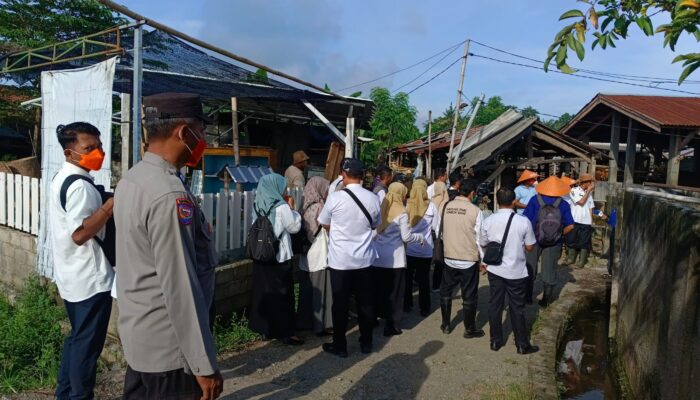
{"x":423,"y":219}
{"x":272,"y":312}
{"x":389,"y":270}
{"x":439,"y":199}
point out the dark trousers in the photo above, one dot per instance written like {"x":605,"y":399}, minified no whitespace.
{"x":468,"y":281}
{"x":81,"y":349}
{"x":389,"y":286}
{"x":515,"y":288}
{"x":438,"y":266}
{"x":168,"y":385}
{"x":345,"y":283}
{"x":531,"y":263}
{"x":420,"y":268}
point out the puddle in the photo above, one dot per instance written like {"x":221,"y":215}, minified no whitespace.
{"x":584,"y":367}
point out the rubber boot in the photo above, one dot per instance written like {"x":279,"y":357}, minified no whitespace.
{"x":571,"y":259}
{"x":446,"y":311}
{"x":584,"y":258}
{"x":546,"y":296}
{"x":470,"y":330}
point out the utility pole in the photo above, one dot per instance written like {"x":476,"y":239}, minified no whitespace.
{"x":136,"y":94}
{"x":466,"y":131}
{"x":430,"y":144}
{"x":458,"y":102}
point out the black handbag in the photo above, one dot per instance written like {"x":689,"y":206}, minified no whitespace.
{"x":438,"y":245}
{"x":493,"y":252}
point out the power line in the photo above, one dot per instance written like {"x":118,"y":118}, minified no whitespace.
{"x":435,"y":76}
{"x":642,"y":78}
{"x":450,"y":49}
{"x":426,"y":71}
{"x":584,"y":76}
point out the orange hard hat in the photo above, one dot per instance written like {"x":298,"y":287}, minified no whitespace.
{"x":553,"y":187}
{"x":527,"y":175}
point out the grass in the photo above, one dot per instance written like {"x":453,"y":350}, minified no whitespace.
{"x":30,"y":339}
{"x":513,"y":391}
{"x":234,"y":334}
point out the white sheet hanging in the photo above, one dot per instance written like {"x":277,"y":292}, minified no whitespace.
{"x":83,"y":94}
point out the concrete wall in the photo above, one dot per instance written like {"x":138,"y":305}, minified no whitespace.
{"x":17,"y":256}
{"x":658,"y":313}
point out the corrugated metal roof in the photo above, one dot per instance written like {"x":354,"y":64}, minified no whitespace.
{"x":245,"y":173}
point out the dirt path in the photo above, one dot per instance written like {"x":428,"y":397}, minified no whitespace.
{"x":423,"y":363}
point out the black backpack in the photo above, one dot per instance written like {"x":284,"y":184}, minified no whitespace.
{"x":109,"y":243}
{"x":548,"y":229}
{"x":262,"y":245}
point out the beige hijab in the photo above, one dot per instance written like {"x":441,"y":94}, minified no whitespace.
{"x":392,"y":205}
{"x":440,"y":195}
{"x":418,"y":202}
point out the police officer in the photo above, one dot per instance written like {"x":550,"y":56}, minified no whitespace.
{"x":165,"y":283}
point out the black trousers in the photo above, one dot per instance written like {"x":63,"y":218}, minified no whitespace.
{"x":420,"y":268}
{"x":160,"y":385}
{"x":345,"y":283}
{"x":438,"y":266}
{"x":81,"y":349}
{"x":388,"y":284}
{"x":468,"y":281}
{"x":515,"y":288}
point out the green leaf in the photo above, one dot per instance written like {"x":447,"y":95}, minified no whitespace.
{"x":611,"y":43}
{"x":594,"y":44}
{"x":561,"y":55}
{"x":689,"y":70}
{"x":356,"y":94}
{"x":571,"y":14}
{"x":605,"y":23}
{"x":326,"y":88}
{"x":571,"y":42}
{"x":563,"y":32}
{"x":645,"y":25}
{"x":581,"y":34}
{"x":566,"y":69}
{"x":547,"y":61}
{"x":697,"y":34}
{"x":580,"y":51}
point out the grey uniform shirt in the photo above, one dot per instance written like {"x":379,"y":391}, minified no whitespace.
{"x":165,"y":281}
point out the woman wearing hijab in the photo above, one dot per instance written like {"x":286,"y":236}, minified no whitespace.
{"x":272,"y":313}
{"x":440,"y":198}
{"x":315,"y":295}
{"x":390,"y":267}
{"x":423,"y":219}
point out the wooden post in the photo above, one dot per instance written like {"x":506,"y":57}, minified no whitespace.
{"x":458,"y":102}
{"x":614,"y":147}
{"x":674,"y":166}
{"x":496,"y":186}
{"x":630,"y":154}
{"x":349,"y":137}
{"x":530,"y":150}
{"x":591,"y":167}
{"x":125,"y":126}
{"x":236,"y":143}
{"x":430,"y":144}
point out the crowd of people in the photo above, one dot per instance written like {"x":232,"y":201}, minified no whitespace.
{"x":360,"y":250}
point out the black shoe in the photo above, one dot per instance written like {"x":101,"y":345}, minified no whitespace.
{"x":324,"y":333}
{"x":543,"y":303}
{"x":495,"y":345}
{"x":425,"y":313}
{"x":392,"y":332}
{"x":474,"y":333}
{"x":292,"y":341}
{"x":528,"y":350}
{"x":330,"y":348}
{"x":366,"y":348}
{"x":445,"y":329}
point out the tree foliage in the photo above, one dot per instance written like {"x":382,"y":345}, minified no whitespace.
{"x":491,"y":109}
{"x":393,"y":122}
{"x":610,"y":21}
{"x":559,"y":123}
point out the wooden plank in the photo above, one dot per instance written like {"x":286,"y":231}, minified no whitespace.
{"x":614,"y":147}
{"x":333,"y":160}
{"x":18,"y":202}
{"x":248,"y":199}
{"x":325,"y":120}
{"x":630,"y":154}
{"x":11,"y":200}
{"x":3,"y":197}
{"x":26,"y":203}
{"x":220,"y":238}
{"x":208,"y":207}
{"x":559,"y":144}
{"x":235,"y":220}
{"x":35,"y":207}
{"x":674,"y":164}
{"x":125,"y":130}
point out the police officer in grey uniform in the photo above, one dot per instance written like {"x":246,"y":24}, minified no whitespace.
{"x":165,"y":281}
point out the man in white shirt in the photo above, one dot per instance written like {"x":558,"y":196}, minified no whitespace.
{"x":440,"y":176}
{"x":83,"y":274}
{"x":511,"y":275}
{"x":382,"y":185}
{"x":460,"y":235}
{"x":350,"y":215}
{"x":581,"y":201}
{"x":295,"y":173}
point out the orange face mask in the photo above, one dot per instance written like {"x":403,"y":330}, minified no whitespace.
{"x":92,"y":160}
{"x":197,"y":152}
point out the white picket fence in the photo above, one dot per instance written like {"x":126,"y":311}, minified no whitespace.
{"x":19,"y":202}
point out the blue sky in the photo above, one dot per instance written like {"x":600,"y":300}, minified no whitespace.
{"x":343,"y":43}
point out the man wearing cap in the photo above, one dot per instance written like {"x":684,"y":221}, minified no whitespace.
{"x":549,"y":192}
{"x":525,"y":190}
{"x":165,"y":283}
{"x":581,"y":202}
{"x":295,"y":173}
{"x":350,"y":215}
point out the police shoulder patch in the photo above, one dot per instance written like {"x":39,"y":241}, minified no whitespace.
{"x":185,"y":210}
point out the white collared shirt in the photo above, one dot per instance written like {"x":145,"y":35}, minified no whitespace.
{"x":520,"y":234}
{"x":430,"y":222}
{"x":582,"y":214}
{"x":391,"y":250}
{"x":381,"y":195}
{"x":80,"y":271}
{"x":287,"y":221}
{"x":431,"y":191}
{"x":337,"y":184}
{"x":350,"y":237}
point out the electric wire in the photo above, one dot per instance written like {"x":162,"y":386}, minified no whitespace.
{"x":435,"y":76}
{"x":426,"y":71}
